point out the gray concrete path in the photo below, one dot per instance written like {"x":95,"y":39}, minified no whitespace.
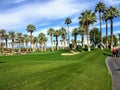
{"x":114,"y":68}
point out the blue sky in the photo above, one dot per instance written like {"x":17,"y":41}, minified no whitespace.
{"x":17,"y":14}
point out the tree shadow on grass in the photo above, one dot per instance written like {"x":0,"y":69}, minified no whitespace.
{"x":2,"y":62}
{"x":107,"y":54}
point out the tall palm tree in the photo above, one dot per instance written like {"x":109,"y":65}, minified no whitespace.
{"x":113,"y":12}
{"x":44,"y":41}
{"x":93,"y":19}
{"x":56,"y":35}
{"x":68,"y":21}
{"x":41,"y":37}
{"x":75,"y":33}
{"x":50,"y":32}
{"x":86,"y":18}
{"x":63,"y":34}
{"x":106,"y":18}
{"x":19,"y":37}
{"x":82,"y":31}
{"x":26,"y":40}
{"x":12,"y":37}
{"x":100,"y":7}
{"x":31,"y":28}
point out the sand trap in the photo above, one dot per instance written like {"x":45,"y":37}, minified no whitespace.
{"x":69,"y":54}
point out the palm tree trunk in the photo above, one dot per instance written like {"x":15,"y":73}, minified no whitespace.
{"x":44,"y":46}
{"x":33,"y":47}
{"x":111,"y":43}
{"x":94,"y":34}
{"x":56,"y":43}
{"x":51,"y":43}
{"x":30,"y":40}
{"x":19,"y":47}
{"x":68,"y":37}
{"x":75,"y":39}
{"x":83,"y":46}
{"x":6,"y":41}
{"x":88,"y":41}
{"x":12,"y":45}
{"x":27,"y":46}
{"x":63,"y":43}
{"x":106,"y":34}
{"x":100,"y":31}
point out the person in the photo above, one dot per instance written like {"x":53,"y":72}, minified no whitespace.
{"x":114,"y":52}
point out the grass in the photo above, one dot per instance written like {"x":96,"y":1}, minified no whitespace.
{"x":51,"y":71}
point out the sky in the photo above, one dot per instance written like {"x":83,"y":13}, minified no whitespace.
{"x":15,"y":15}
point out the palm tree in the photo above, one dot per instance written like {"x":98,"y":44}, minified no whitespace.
{"x":22,"y":41}
{"x":106,"y":18}
{"x":31,"y":28}
{"x":2,"y":34}
{"x":82,"y":31}
{"x":50,"y":32}
{"x":44,"y":41}
{"x":93,"y":19}
{"x":26,"y":39}
{"x":113,"y":12}
{"x":6,"y":40}
{"x":41,"y":37}
{"x":95,"y":36}
{"x":19,"y":36}
{"x":100,"y":7}
{"x":63,"y":34}
{"x":12,"y":37}
{"x":35,"y":41}
{"x":68,"y":21}
{"x":75,"y":33}
{"x":86,"y":18}
{"x":40,"y":42}
{"x":56,"y":35}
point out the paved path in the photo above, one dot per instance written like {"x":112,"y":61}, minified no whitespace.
{"x":114,"y":68}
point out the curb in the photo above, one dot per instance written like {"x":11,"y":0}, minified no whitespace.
{"x":109,"y":70}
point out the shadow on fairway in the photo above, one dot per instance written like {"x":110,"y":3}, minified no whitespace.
{"x":2,"y":62}
{"x":106,"y":54}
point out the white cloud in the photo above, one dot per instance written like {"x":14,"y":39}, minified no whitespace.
{"x":42,"y":13}
{"x":112,"y":2}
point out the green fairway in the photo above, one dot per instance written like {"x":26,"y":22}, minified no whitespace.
{"x":51,"y":71}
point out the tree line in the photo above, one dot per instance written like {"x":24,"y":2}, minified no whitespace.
{"x":86,"y":18}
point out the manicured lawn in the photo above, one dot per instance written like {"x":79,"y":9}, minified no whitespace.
{"x":51,"y":71}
